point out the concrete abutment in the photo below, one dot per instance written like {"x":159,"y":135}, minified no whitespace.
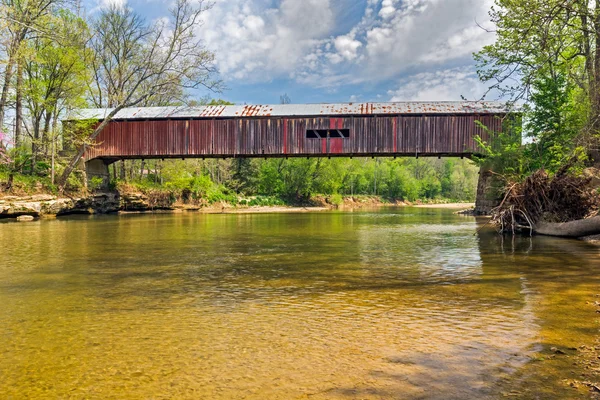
{"x":97,"y":174}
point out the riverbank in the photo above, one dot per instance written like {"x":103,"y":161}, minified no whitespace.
{"x":455,"y":206}
{"x":51,"y":206}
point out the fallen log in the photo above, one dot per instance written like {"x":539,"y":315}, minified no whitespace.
{"x":572,"y":229}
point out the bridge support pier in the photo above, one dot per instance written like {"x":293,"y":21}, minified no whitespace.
{"x":486,"y":198}
{"x":97,"y":175}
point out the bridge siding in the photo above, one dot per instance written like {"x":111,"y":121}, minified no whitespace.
{"x":377,"y":135}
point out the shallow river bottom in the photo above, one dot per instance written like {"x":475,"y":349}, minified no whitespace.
{"x":395,"y":303}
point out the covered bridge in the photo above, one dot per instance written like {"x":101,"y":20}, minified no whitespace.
{"x":292,"y":130}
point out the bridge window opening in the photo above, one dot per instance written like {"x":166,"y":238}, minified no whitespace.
{"x":312,"y":134}
{"x":324,"y":133}
{"x":340,"y":133}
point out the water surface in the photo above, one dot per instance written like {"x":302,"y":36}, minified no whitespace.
{"x":396,"y":304}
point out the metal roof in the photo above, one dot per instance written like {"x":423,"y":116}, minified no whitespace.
{"x":296,"y":110}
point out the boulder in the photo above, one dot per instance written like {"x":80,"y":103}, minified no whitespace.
{"x":42,"y":197}
{"x":20,"y":208}
{"x":57,"y":207}
{"x":47,"y":205}
{"x":135,"y":202}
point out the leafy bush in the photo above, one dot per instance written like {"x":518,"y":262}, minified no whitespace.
{"x":336,"y":200}
{"x":96,"y":183}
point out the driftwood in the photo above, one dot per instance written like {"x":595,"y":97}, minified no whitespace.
{"x":562,"y":205}
{"x":574,"y":229}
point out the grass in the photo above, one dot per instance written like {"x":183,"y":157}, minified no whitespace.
{"x":28,"y":184}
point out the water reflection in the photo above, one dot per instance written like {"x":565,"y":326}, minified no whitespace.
{"x":401,"y":303}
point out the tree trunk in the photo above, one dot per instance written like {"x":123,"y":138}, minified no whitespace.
{"x":8,"y":73}
{"x":572,"y":229}
{"x":122,"y":170}
{"x":19,"y":105}
{"x":131,"y":170}
{"x":155,"y":171}
{"x":13,"y":51}
{"x":46,"y":133}
{"x":142,"y":170}
{"x":35,"y":143}
{"x":54,"y":138}
{"x":595,"y":85}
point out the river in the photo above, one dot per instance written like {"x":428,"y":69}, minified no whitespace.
{"x":396,"y":303}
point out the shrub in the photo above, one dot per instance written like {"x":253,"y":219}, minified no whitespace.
{"x":336,"y":200}
{"x":96,"y":183}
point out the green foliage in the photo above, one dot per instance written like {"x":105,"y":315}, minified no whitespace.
{"x":55,"y":75}
{"x":219,"y":102}
{"x":96,"y":183}
{"x":259,"y":182}
{"x":553,"y":122}
{"x":336,"y":199}
{"x":28,"y":184}
{"x":207,"y":101}
{"x":504,"y":154}
{"x":535,"y":38}
{"x":544,"y":55}
{"x":406,"y":179}
{"x":201,"y":187}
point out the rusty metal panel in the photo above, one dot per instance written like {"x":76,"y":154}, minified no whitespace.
{"x":298,"y":110}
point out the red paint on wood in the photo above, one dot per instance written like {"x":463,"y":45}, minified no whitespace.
{"x":395,"y":134}
{"x":400,"y":134}
{"x":285,"y":135}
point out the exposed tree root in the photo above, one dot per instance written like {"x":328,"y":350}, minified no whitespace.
{"x":557,"y":206}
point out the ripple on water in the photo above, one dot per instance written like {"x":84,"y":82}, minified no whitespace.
{"x":273,"y":306}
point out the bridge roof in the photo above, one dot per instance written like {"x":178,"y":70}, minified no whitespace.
{"x":296,"y":110}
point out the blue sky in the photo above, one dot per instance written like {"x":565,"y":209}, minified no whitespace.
{"x":341,"y":50}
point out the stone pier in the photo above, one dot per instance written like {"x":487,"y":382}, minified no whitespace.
{"x":486,"y":198}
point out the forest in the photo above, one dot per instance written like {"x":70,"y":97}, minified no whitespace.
{"x":56,"y":58}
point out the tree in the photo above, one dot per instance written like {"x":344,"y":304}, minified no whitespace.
{"x":19,"y":18}
{"x":284,"y":99}
{"x":135,"y":63}
{"x":554,"y":123}
{"x":55,"y":78}
{"x":538,"y":40}
{"x":5,"y":158}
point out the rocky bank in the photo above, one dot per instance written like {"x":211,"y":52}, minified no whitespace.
{"x":51,"y":206}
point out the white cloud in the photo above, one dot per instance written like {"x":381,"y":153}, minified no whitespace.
{"x":346,"y":49}
{"x":109,"y":3}
{"x":422,"y":32}
{"x":261,"y":40}
{"x":443,"y":85}
{"x":387,"y":9}
{"x":256,"y":43}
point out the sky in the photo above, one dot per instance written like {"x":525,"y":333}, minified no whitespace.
{"x":328,"y":51}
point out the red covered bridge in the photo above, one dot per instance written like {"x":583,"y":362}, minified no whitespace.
{"x":292,"y":130}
